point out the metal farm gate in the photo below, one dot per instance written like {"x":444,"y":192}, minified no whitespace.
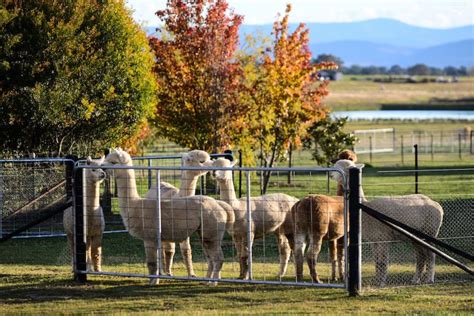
{"x":124,"y":255}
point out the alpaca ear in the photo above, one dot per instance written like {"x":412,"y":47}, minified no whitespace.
{"x":88,"y":160}
{"x":101,"y":160}
{"x":360,"y":165}
{"x":233,"y":163}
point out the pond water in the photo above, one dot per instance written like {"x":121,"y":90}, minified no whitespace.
{"x":405,"y":115}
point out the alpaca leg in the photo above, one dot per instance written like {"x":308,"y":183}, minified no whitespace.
{"x":333,"y":258}
{"x":88,"y":254}
{"x":300,"y":245}
{"x":216,"y":258}
{"x":96,"y":252}
{"x":430,"y":259}
{"x":186,"y":251}
{"x":169,"y":249}
{"x":285,"y":252}
{"x":340,"y":258}
{"x":244,"y":259}
{"x":381,"y":254}
{"x":70,"y":243}
{"x":420,"y":264}
{"x":312,"y":256}
{"x":151,"y":248}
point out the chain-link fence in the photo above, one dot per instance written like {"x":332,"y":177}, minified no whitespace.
{"x":445,"y":211}
{"x":31,"y":191}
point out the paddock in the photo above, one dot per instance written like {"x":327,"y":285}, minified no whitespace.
{"x":123,"y":255}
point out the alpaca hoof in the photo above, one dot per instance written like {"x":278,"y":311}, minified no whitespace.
{"x":154,"y":281}
{"x":192,"y":276}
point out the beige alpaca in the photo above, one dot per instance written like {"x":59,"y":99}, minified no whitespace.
{"x":270,"y":213}
{"x":317,"y":217}
{"x":95,"y":217}
{"x":189,"y":179}
{"x":180,"y":217}
{"x":415,"y":210}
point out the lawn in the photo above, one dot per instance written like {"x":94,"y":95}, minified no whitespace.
{"x":37,"y":289}
{"x":363,"y":94}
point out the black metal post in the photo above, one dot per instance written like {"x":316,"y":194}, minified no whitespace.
{"x":79,"y":244}
{"x":402,"y":149}
{"x":432,"y":147}
{"x":355,"y":239}
{"x":416,"y":168}
{"x":290,"y":151}
{"x":240,"y":173}
{"x":470,"y":143}
{"x":460,"y":145}
{"x":370,"y":148}
{"x":149,"y":174}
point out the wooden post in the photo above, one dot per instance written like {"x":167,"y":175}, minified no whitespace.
{"x":416,"y":168}
{"x":79,"y":243}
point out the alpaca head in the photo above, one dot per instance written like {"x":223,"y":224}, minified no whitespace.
{"x":95,"y":175}
{"x":196,"y":158}
{"x":348,"y":154}
{"x":117,"y":156}
{"x":222,"y":175}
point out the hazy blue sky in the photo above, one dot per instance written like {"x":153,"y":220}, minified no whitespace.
{"x":429,"y":13}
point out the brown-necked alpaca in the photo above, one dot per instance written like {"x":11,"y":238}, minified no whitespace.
{"x":317,"y":217}
{"x":95,"y":218}
{"x":180,"y":217}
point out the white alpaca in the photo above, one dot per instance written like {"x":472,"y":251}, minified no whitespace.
{"x":95,"y":217}
{"x":189,"y":179}
{"x":180,"y":217}
{"x":270,"y":213}
{"x":415,"y":210}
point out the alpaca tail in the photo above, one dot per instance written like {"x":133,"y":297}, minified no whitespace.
{"x":229,"y":226}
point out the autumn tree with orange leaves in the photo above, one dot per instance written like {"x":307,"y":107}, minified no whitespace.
{"x":285,"y":94}
{"x":199,"y":80}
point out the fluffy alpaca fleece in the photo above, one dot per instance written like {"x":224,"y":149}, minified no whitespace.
{"x":180,"y":217}
{"x":317,"y":217}
{"x":95,"y":217}
{"x":270,"y":213}
{"x":189,"y":179}
{"x":415,"y":210}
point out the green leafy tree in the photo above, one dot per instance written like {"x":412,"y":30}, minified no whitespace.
{"x":75,"y":76}
{"x":198,"y":76}
{"x":326,"y":138}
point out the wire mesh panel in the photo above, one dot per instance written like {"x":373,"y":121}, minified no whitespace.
{"x":444,"y":210}
{"x":247,"y":239}
{"x":31,"y":193}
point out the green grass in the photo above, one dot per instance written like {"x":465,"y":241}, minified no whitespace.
{"x":37,"y":289}
{"x":348,"y":94}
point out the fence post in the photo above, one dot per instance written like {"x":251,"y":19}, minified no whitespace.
{"x":460,"y":145}
{"x":240,"y":173}
{"x":432,"y":147}
{"x":355,"y":241}
{"x":370,"y":148}
{"x":402,"y":149}
{"x":149,"y":174}
{"x":79,"y":243}
{"x":416,"y":167}
{"x":470,"y":143}
{"x":249,"y":228}
{"x":290,"y":152}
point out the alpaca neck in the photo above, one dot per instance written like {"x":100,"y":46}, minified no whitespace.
{"x":227,"y":191}
{"x":340,"y":192}
{"x":126,"y":187}
{"x":188,"y":185}
{"x":93,"y":197}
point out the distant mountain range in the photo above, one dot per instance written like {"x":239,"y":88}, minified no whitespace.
{"x":385,"y":42}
